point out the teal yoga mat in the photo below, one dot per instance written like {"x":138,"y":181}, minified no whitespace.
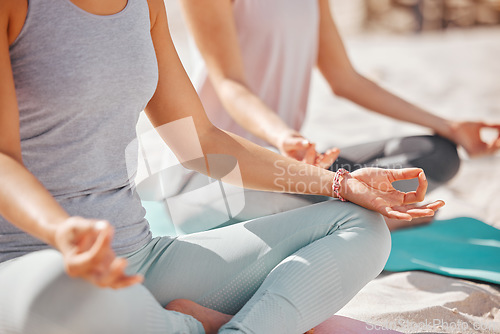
{"x":459,"y":247}
{"x":158,"y":218}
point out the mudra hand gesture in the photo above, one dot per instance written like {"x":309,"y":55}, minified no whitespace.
{"x":299,"y":148}
{"x":86,"y":248}
{"x":372,"y":188}
{"x":468,"y":135}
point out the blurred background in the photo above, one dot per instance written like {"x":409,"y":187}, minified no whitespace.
{"x":415,"y":16}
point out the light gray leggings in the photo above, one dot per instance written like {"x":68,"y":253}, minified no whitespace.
{"x":284,"y":273}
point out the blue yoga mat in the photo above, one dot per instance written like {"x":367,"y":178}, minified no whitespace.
{"x":460,"y":247}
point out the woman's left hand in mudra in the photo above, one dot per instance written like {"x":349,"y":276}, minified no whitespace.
{"x":372,"y":188}
{"x":468,"y":135}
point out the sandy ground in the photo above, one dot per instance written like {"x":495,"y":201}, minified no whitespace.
{"x":456,"y":75}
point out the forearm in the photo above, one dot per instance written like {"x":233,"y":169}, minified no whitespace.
{"x":262,"y":169}
{"x":214,"y":29}
{"x":251,"y":113}
{"x":25,"y":203}
{"x":366,"y":93}
{"x":344,"y":81}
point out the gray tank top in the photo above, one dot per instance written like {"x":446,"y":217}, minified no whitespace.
{"x":81,"y":81}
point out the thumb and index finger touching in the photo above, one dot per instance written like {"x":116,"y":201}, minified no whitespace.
{"x":494,"y":145}
{"x":303,"y":150}
{"x":91,"y":256}
{"x":90,"y":242}
{"x":310,"y":155}
{"x":419,"y":194}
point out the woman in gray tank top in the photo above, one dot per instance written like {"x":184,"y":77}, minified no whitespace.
{"x":74,"y":76}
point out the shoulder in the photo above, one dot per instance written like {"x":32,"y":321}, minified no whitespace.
{"x":12,"y":17}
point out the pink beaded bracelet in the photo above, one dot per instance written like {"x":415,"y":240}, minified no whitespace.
{"x":336,"y":183}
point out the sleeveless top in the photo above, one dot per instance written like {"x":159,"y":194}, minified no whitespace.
{"x":279,"y":44}
{"x":81,"y":81}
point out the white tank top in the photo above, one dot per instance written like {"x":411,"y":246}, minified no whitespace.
{"x":279,"y":44}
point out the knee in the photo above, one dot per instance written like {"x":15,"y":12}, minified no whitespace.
{"x":375,"y":238}
{"x":442,"y":162}
{"x":43,"y":299}
{"x":381,"y":247}
{"x":25,"y":286}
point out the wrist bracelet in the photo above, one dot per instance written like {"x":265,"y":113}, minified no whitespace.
{"x":336,"y":183}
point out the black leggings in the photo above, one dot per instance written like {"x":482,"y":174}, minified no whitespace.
{"x":436,"y":155}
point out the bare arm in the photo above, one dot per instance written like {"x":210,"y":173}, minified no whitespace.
{"x":23,"y":200}
{"x":213,"y":27}
{"x":344,"y":81}
{"x":176,"y":99}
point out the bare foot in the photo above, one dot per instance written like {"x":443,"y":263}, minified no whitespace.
{"x":396,"y":224}
{"x":210,"y":319}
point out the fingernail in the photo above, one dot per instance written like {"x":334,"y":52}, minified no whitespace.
{"x":423,"y":176}
{"x":305,"y":142}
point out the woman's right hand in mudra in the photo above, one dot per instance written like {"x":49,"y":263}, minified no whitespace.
{"x":372,"y":188}
{"x":86,"y":248}
{"x":297,"y":147}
